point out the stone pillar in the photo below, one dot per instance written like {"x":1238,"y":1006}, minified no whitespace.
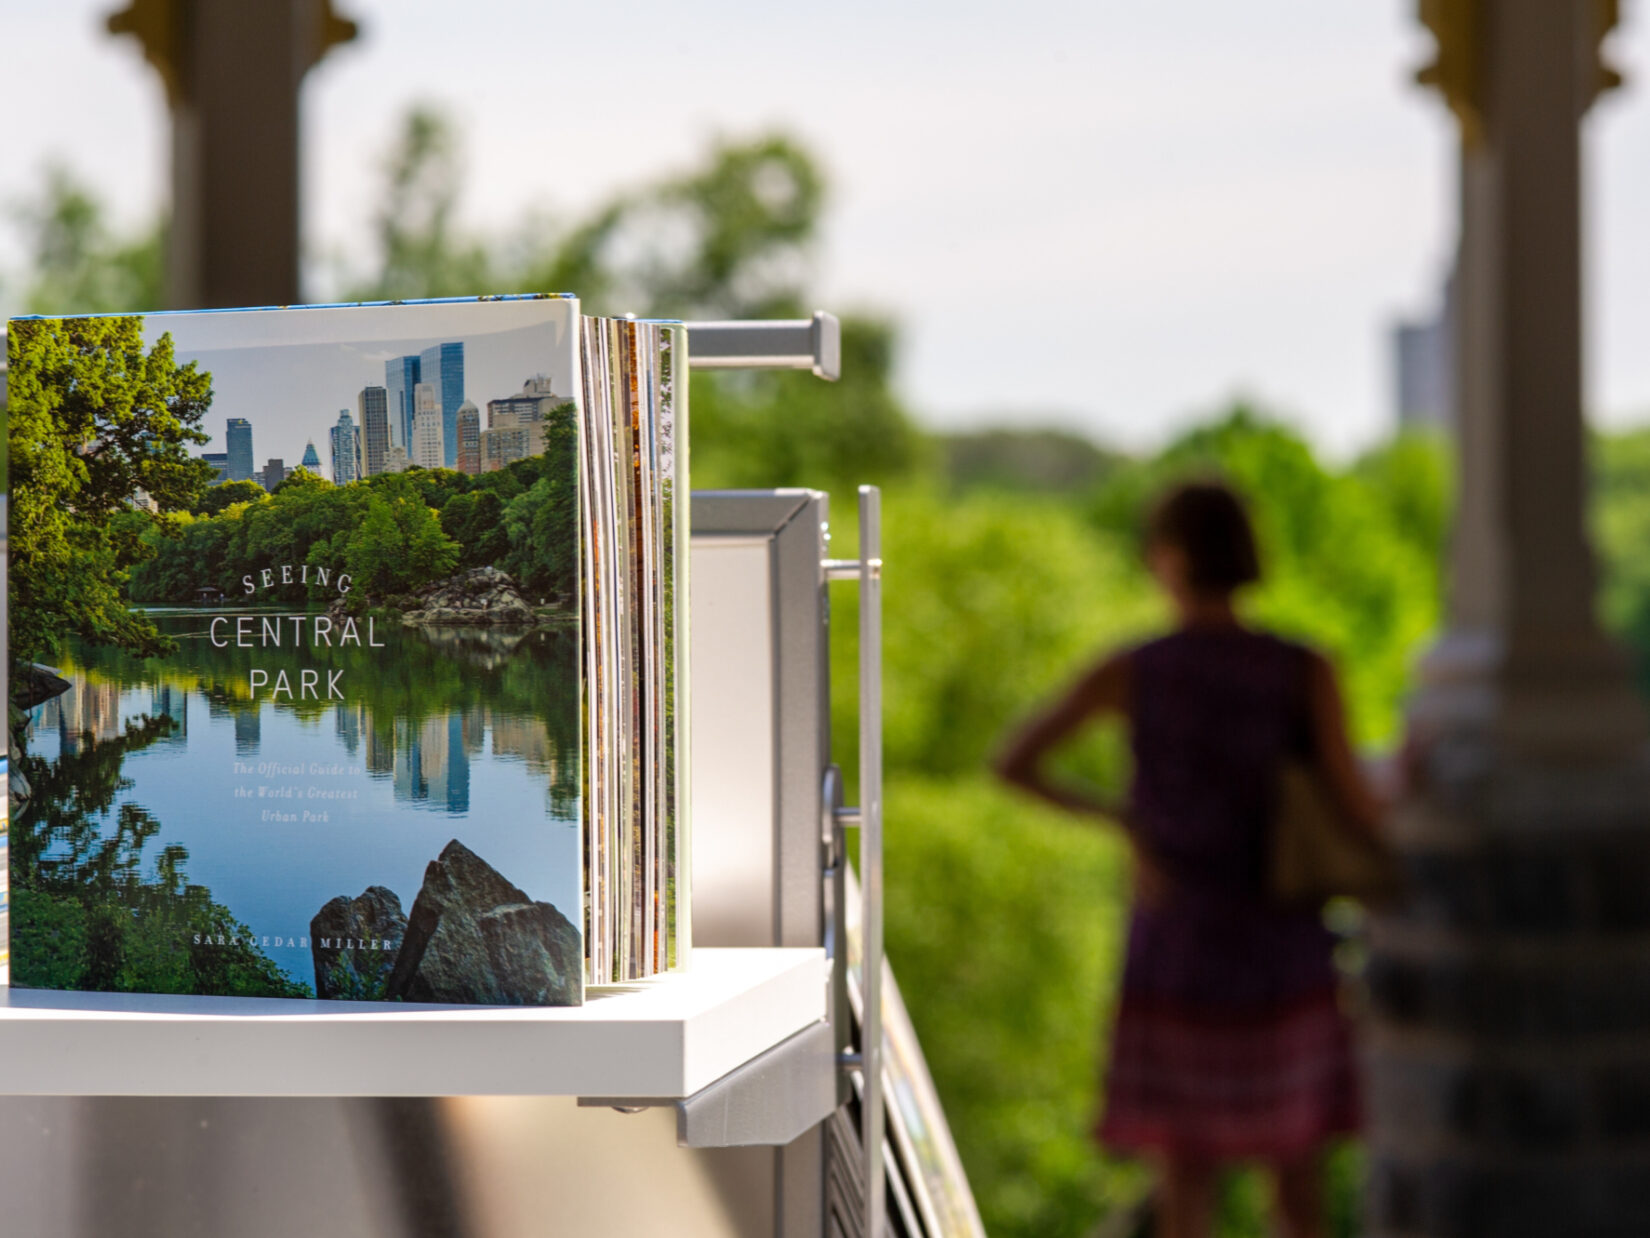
{"x":1509,"y":1048}
{"x":232,"y":70}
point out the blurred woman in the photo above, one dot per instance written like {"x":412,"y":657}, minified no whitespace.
{"x":1229,"y":1043}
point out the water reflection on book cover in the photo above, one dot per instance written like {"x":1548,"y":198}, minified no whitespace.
{"x":158,"y":739}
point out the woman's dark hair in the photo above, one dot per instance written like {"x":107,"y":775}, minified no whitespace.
{"x":1207,"y":522}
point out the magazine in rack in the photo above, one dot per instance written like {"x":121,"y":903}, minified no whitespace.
{"x":345,"y":638}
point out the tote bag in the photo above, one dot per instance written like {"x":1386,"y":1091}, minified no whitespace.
{"x":1316,"y":852}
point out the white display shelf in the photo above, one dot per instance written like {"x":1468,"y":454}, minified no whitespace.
{"x":661,"y":1039}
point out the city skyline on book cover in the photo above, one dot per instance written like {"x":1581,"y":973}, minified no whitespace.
{"x":317,"y":728}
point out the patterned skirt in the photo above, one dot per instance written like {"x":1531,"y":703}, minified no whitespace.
{"x":1221,"y":1082}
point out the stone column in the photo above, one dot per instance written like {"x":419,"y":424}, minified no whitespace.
{"x":1509,"y":1048}
{"x":232,"y":70}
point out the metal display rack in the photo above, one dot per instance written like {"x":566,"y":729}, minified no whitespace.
{"x":754,"y":1056}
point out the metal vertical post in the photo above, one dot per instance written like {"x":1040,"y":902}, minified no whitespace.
{"x":870,"y":845}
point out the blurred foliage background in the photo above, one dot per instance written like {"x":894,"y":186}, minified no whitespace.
{"x":1012,"y":561}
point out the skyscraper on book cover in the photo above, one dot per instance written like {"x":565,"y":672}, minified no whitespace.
{"x":401,"y":376}
{"x":536,"y":401}
{"x":238,"y":438}
{"x":375,"y":428}
{"x":427,"y":440}
{"x":469,"y":438}
{"x":312,"y":458}
{"x":346,"y":450}
{"x":509,"y":438}
{"x":442,"y":367}
{"x":516,"y":424}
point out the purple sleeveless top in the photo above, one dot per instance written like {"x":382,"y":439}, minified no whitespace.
{"x":1213,"y":714}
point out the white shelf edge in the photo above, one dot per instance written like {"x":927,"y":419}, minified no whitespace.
{"x":666,"y":1038}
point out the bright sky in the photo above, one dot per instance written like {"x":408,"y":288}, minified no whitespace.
{"x":1105,"y":214}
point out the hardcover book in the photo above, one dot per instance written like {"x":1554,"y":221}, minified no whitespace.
{"x":308,"y":696}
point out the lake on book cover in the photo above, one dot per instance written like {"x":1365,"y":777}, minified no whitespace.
{"x":177,"y":777}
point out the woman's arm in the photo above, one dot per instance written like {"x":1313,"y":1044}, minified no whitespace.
{"x":1104,"y":689}
{"x":1340,"y":766}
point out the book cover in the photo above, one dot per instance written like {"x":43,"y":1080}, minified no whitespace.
{"x":296,"y":652}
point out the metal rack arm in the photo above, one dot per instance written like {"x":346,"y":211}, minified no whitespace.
{"x":777,"y":344}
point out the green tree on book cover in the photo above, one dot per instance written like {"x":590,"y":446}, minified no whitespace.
{"x":86,"y":916}
{"x":94,"y":420}
{"x":394,"y":532}
{"x":98,"y":430}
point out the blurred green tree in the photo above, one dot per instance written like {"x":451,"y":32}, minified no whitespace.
{"x":1025,"y":461}
{"x":78,"y":265}
{"x":1005,"y":921}
{"x":422,"y":252}
{"x":1621,"y":529}
{"x":790,"y":429}
{"x":730,"y":238}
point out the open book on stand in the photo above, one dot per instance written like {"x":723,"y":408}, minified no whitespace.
{"x":345,"y":651}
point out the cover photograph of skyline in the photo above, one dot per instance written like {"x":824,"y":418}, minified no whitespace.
{"x":352,"y":411}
